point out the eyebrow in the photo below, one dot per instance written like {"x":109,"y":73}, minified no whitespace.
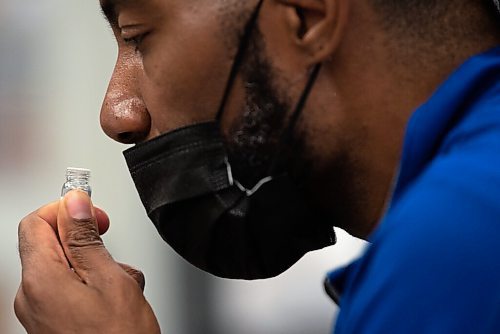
{"x":109,"y":9}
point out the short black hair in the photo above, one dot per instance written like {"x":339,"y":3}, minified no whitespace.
{"x":437,"y":19}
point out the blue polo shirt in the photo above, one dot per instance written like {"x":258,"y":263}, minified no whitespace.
{"x":433,"y":265}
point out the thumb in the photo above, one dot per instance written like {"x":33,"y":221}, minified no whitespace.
{"x":79,"y":235}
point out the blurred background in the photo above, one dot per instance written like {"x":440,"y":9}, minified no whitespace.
{"x":55,"y":59}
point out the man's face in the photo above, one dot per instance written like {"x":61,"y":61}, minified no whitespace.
{"x":172,"y":69}
{"x":174,"y":59}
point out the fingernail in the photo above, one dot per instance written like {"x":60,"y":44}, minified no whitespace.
{"x":78,"y":205}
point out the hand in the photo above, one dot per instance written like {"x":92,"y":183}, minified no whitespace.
{"x":70,"y":283}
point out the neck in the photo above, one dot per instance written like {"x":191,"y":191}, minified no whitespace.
{"x":380,"y":83}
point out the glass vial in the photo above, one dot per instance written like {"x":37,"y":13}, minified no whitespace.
{"x":77,"y":178}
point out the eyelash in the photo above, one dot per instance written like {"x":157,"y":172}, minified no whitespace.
{"x":135,"y":41}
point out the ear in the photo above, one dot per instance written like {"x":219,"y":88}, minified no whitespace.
{"x":316,"y":26}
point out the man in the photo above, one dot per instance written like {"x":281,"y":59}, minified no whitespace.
{"x":262,"y":124}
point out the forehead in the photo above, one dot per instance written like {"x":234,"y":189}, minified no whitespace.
{"x":110,"y":8}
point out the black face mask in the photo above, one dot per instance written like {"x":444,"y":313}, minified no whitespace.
{"x":185,"y":182}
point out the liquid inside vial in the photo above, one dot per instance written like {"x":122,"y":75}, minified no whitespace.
{"x":77,"y":178}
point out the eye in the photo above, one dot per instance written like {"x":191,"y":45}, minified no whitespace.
{"x":133,"y":35}
{"x":135,"y":41}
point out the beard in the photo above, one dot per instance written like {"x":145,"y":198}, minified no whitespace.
{"x":255,"y":146}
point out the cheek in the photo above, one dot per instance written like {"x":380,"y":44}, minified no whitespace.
{"x":185,"y":72}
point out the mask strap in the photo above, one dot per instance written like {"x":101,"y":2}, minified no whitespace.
{"x":285,"y":137}
{"x":287,"y":134}
{"x":244,"y":41}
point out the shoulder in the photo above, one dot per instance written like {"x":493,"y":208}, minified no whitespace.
{"x":433,"y":264}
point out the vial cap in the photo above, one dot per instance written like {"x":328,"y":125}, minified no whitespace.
{"x":78,"y":172}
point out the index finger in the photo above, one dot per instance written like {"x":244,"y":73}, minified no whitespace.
{"x":38,"y":241}
{"x":48,"y":213}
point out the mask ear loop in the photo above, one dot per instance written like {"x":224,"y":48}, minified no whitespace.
{"x":286,"y":137}
{"x":244,"y":41}
{"x":287,"y":134}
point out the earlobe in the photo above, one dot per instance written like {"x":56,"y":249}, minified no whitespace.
{"x":317,"y":26}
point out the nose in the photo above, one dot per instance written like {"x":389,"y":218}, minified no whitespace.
{"x":124,"y":115}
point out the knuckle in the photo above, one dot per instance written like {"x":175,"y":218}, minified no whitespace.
{"x":18,"y":305}
{"x":24,"y":245}
{"x":84,"y":235}
{"x":138,"y":276}
{"x":82,"y":238}
{"x":29,"y":286}
{"x":129,"y":278}
{"x":21,"y":310}
{"x":24,"y":225}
